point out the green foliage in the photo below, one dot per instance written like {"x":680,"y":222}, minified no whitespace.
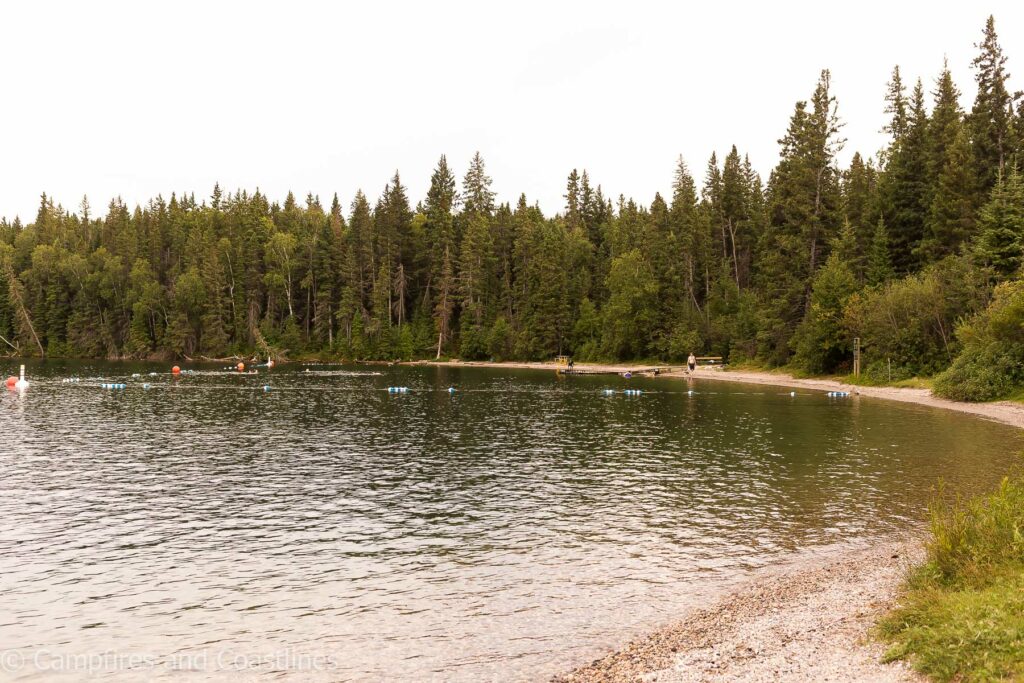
{"x":630,"y":313}
{"x":991,"y":364}
{"x":1000,"y":241}
{"x":821,"y":342}
{"x":962,"y":613}
{"x":910,"y":323}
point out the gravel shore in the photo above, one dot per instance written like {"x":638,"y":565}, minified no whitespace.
{"x":808,"y":623}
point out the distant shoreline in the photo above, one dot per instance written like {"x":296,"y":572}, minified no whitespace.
{"x":1006,"y":412}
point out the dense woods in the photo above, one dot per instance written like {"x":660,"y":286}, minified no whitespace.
{"x":902,"y":249}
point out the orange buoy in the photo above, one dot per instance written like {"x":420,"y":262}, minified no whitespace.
{"x":175,"y":370}
{"x":11,"y":381}
{"x":241,"y":367}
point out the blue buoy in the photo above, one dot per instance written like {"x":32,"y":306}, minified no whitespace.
{"x":146,"y":385}
{"x":689,"y":392}
{"x":266,"y":387}
{"x":451,"y":390}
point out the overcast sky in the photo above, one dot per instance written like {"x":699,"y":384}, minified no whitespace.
{"x":140,"y":98}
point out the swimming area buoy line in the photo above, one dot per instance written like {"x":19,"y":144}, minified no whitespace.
{"x":19,"y":383}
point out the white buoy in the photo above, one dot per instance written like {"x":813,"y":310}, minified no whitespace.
{"x":22,"y":383}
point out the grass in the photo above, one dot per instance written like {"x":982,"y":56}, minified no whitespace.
{"x":961,"y":614}
{"x":910,"y":383}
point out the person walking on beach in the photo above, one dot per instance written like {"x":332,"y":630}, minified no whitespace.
{"x":691,"y":363}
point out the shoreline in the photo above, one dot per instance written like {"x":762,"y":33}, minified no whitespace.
{"x":1007,"y":412}
{"x":809,"y":620}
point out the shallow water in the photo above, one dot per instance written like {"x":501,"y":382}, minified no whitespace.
{"x":329,"y":529}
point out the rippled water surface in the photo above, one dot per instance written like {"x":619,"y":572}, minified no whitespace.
{"x":503,"y":532}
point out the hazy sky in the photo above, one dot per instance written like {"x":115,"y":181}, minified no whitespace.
{"x":140,"y":98}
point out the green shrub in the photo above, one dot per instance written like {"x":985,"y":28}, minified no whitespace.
{"x":911,"y":322}
{"x":991,"y":364}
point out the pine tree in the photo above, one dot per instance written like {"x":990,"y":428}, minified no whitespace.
{"x":879,"y":267}
{"x":905,"y":188}
{"x":686,"y":224}
{"x":1000,"y":241}
{"x":896,"y":108}
{"x":860,"y":200}
{"x":951,"y":216}
{"x":804,"y":210}
{"x":573,"y":202}
{"x":477,"y":196}
{"x":991,"y":119}
{"x":439,"y":226}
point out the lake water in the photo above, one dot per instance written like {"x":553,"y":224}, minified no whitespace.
{"x":328,"y":529}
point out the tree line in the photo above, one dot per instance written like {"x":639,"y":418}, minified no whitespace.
{"x":898,"y":249}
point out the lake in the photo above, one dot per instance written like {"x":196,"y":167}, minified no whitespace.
{"x":328,"y":529}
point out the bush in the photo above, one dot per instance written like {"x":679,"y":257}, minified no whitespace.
{"x":991,"y":364}
{"x":912,"y":321}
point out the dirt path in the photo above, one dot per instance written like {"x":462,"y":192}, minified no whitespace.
{"x":810,"y":623}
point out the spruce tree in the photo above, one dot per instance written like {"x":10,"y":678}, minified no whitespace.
{"x":952,"y":213}
{"x":1000,"y":241}
{"x":991,"y":119}
{"x":904,"y":187}
{"x":879,"y":266}
{"x":860,"y":200}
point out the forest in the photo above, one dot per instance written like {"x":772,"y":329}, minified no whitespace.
{"x":916,"y":250}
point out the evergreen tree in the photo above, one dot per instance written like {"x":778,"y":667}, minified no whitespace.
{"x":951,"y":216}
{"x":1000,"y":241}
{"x":991,"y":121}
{"x":905,"y":188}
{"x":860,"y":201}
{"x":879,"y":267}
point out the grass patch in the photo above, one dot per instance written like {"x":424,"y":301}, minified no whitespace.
{"x":961,"y":614}
{"x":909,"y":383}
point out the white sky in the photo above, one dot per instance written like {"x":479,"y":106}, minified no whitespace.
{"x":140,"y":98}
